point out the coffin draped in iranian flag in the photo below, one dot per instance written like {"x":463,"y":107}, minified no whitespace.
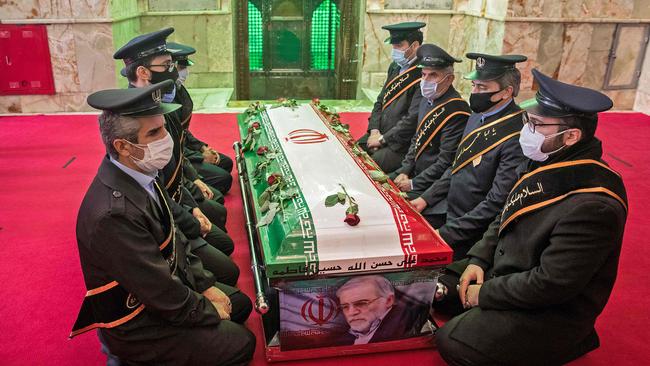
{"x":327,"y":224}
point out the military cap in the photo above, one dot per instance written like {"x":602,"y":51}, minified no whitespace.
{"x":430,"y":55}
{"x":402,"y":31}
{"x":490,"y":67}
{"x":133,"y":102}
{"x":144,"y":45}
{"x":557,"y":99}
{"x":180,"y":53}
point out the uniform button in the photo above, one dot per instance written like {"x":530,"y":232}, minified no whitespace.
{"x":117,"y":194}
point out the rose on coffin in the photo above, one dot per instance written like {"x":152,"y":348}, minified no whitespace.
{"x":351,"y":213}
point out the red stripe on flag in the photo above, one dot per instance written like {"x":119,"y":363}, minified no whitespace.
{"x":421,"y":245}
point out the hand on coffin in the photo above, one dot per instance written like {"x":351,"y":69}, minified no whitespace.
{"x":207,"y":192}
{"x":419,"y":204}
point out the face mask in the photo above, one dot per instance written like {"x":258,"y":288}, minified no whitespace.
{"x":480,"y":102}
{"x":183,"y":74}
{"x":157,"y":154}
{"x":399,"y":57}
{"x":531,"y":144}
{"x":429,"y":88}
{"x":169,"y":97}
{"x":159,"y":77}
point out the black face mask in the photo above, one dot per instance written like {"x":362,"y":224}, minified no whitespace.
{"x":159,"y":77}
{"x":480,"y":102}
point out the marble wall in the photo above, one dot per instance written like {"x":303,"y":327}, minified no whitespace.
{"x":80,"y":51}
{"x":84,"y":34}
{"x":211,"y":35}
{"x":642,"y":101}
{"x":573,"y":45}
{"x":54,"y":9}
{"x":448,"y":25}
{"x":564,"y":38}
{"x":618,"y":9}
{"x":376,"y":53}
{"x":569,"y":39}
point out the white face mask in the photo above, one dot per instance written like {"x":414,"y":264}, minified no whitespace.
{"x":531,"y":143}
{"x":429,"y":88}
{"x":399,"y":56}
{"x":183,"y":74}
{"x":157,"y":154}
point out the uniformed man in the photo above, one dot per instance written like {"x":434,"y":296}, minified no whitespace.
{"x":475,"y":186}
{"x":213,"y":166}
{"x":147,"y":61}
{"x":543,"y":272}
{"x":393,"y":119}
{"x":441,"y":120}
{"x":148,"y":295}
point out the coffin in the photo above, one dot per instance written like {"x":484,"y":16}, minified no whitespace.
{"x":302,"y":174}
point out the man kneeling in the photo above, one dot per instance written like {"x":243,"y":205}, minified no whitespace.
{"x":149,"y":296}
{"x":543,"y":272}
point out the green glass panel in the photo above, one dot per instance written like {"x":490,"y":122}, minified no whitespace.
{"x":255,"y":38}
{"x":325,"y":23}
{"x":286,"y":45}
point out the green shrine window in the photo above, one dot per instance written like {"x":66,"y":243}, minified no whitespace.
{"x":279,"y":31}
{"x":325,"y":21}
{"x":255,"y":37}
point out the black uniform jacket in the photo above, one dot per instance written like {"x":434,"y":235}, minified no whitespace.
{"x":439,"y":154}
{"x":119,"y":229}
{"x":398,"y":121}
{"x":192,"y":146}
{"x":477,"y":192}
{"x":548,"y":275}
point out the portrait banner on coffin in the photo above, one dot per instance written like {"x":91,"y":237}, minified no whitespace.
{"x":355,"y":310}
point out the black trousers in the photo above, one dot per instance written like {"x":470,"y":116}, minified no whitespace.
{"x":222,"y":267}
{"x":217,"y":176}
{"x":458,"y":353}
{"x":215,"y":212}
{"x":227,"y":343}
{"x":387,"y":159}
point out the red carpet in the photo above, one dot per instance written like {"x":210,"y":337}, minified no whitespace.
{"x":42,"y":285}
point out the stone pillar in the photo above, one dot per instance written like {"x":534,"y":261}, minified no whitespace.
{"x":642,"y":101}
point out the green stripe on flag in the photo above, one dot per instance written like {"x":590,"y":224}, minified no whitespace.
{"x":289,"y":242}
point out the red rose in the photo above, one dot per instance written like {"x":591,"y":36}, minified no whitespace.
{"x":262,"y":150}
{"x":256,"y":125}
{"x":273,"y":178}
{"x":351,"y":142}
{"x":352,"y":219}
